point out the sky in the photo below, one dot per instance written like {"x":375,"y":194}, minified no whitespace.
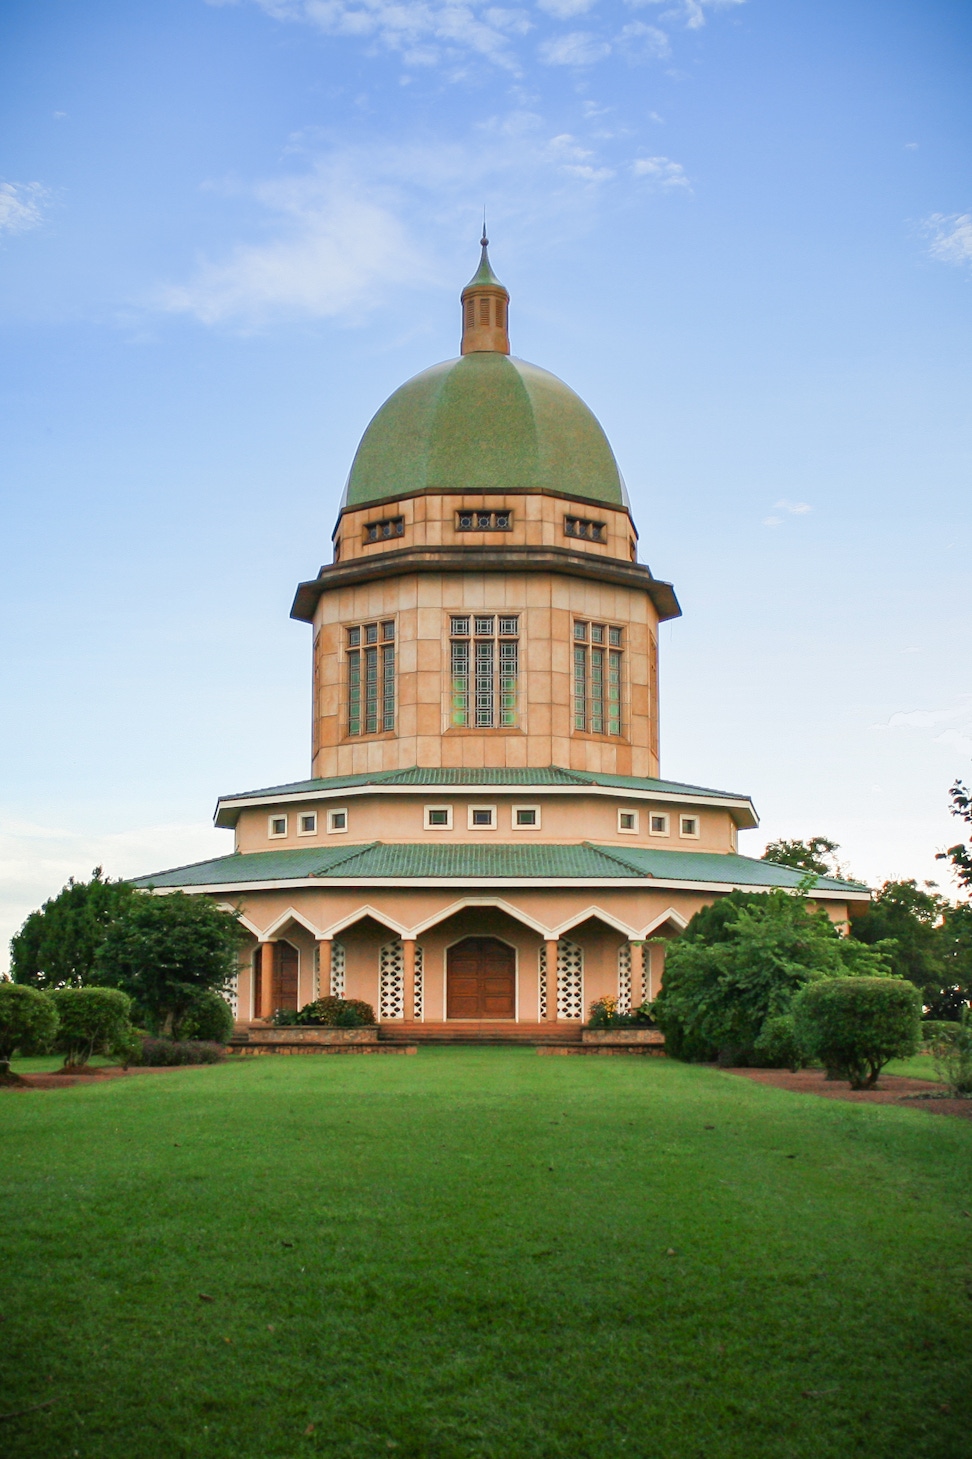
{"x":740,"y":229}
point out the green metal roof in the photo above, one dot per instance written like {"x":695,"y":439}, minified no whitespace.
{"x":484,"y":275}
{"x":541,"y":775}
{"x":709,"y":866}
{"x":485,"y":422}
{"x":481,"y":862}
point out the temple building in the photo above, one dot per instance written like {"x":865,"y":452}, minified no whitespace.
{"x":485,"y":844}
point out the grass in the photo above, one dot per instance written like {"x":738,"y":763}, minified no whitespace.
{"x":481,"y":1253}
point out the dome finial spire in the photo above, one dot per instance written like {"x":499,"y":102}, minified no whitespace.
{"x":485,"y":308}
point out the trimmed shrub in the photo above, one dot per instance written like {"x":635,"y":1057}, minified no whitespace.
{"x":166,"y":1053}
{"x":92,"y":1021}
{"x":286,"y":1017}
{"x":210,"y":1019}
{"x":778,"y":1046}
{"x":855,"y":1025}
{"x":953,"y":1056}
{"x":28,"y":1022}
{"x":336,"y":1012}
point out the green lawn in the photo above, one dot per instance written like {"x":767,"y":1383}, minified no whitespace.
{"x":481,"y":1252}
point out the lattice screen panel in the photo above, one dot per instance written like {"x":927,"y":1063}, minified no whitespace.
{"x":419,"y":980}
{"x":338,"y":962}
{"x":570,"y":980}
{"x":233,"y":996}
{"x":392,"y":980}
{"x":624,"y":978}
{"x":543,"y":981}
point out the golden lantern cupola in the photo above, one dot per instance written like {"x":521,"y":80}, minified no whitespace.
{"x":485,"y":310}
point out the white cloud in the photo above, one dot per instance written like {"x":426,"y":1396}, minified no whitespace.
{"x":662,"y":171}
{"x":409,"y":26}
{"x":21,"y":206}
{"x":576,"y":48}
{"x":339,"y":250}
{"x":644,"y":42}
{"x":368,"y":219}
{"x":795,"y":509}
{"x":690,"y":13}
{"x":951,"y":237}
{"x":566,"y":9}
{"x":954,"y":725}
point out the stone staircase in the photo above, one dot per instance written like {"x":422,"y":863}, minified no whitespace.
{"x":488,"y":1031}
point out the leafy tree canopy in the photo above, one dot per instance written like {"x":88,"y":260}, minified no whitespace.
{"x":57,"y":945}
{"x":166,"y":952}
{"x":961,"y":855}
{"x":740,"y":961}
{"x":931,"y":942}
{"x":816,"y":855}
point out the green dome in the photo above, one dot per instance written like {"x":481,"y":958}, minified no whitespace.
{"x":484,"y":422}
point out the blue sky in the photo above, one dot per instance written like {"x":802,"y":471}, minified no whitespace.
{"x":742,"y":231}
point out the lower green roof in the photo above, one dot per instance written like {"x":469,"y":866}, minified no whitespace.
{"x":490,"y":775}
{"x":381,"y":860}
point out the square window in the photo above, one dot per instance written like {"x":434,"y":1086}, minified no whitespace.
{"x":465,"y":521}
{"x":658,"y":824}
{"x":580,"y":631}
{"x":504,"y":521}
{"x":484,"y":520}
{"x":482,"y":817}
{"x":438,"y":817}
{"x":277,"y":827}
{"x":371,"y":633}
{"x":614,"y":637}
{"x":628,"y":822}
{"x":484,"y":627}
{"x":509,"y":627}
{"x":387,"y":631}
{"x":337,"y":820}
{"x":689,"y":826}
{"x":354,"y":637}
{"x":307,"y":823}
{"x":460,"y":627}
{"x":597,"y":633}
{"x":526,"y":817}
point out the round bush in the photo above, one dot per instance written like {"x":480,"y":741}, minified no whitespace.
{"x":337,"y":1012}
{"x":855,"y":1025}
{"x":165,"y":1053}
{"x":777,"y":1046}
{"x":28,"y":1022}
{"x":209,"y":1019}
{"x":92,"y":1021}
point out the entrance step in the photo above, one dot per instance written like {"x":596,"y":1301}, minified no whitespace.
{"x":485,"y":1031}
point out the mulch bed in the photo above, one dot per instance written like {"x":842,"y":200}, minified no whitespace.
{"x":94,"y":1076}
{"x":890,"y":1089}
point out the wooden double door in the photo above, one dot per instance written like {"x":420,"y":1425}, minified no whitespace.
{"x":283,"y":988}
{"x":481,"y":979}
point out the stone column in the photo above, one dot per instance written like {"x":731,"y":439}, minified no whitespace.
{"x":266,"y":979}
{"x":408,"y":978}
{"x":552,"y":945}
{"x":324,"y":967}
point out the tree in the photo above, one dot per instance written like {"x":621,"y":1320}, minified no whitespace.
{"x":955,"y":935}
{"x":912,"y":916}
{"x":740,"y":961}
{"x":57,"y":945}
{"x":28,"y":1022}
{"x":166,"y":951}
{"x":855,"y":1025}
{"x":91,"y":1021}
{"x":805,"y":855}
{"x":961,"y":855}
